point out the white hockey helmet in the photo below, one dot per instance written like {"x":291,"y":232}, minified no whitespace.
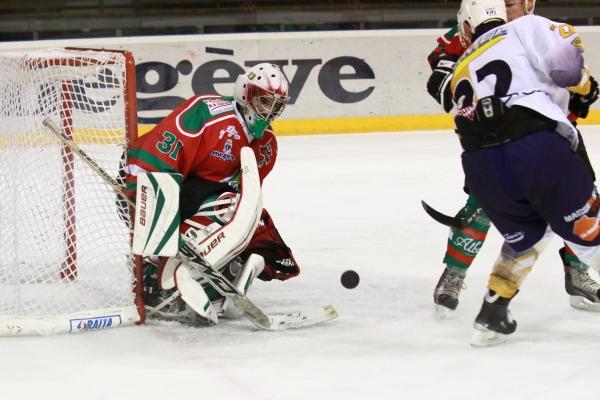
{"x":477,"y":12}
{"x":262,"y":93}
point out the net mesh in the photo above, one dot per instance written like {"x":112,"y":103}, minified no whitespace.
{"x":63,"y":246}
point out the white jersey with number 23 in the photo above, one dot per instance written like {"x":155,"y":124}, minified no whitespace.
{"x":527,"y":62}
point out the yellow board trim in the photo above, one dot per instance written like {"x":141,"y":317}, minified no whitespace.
{"x":388,"y":123}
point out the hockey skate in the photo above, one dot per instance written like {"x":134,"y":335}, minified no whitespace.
{"x":584,"y":292}
{"x":494,"y":322}
{"x":445,"y":295}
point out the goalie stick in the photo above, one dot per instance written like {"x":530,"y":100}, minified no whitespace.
{"x":453,"y":222}
{"x":250,"y":310}
{"x":254,"y":314}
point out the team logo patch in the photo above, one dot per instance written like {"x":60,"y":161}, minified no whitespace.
{"x":586,"y":224}
{"x":266,"y":153}
{"x":514,"y":237}
{"x":94,"y":323}
{"x":586,"y":228}
{"x":218,"y":106}
{"x":230,"y":131}
{"x":225,"y":154}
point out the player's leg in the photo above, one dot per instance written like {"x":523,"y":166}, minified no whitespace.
{"x":208,"y":225}
{"x":494,"y":320}
{"x":573,"y":214}
{"x":462,"y":248}
{"x":217,"y":232}
{"x":492,"y":178}
{"x":583,"y":290}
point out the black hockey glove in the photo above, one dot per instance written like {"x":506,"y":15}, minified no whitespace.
{"x":438,"y":85}
{"x":579,"y":105}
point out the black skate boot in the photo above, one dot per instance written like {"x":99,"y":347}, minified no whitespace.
{"x":584,"y":292}
{"x":447,"y":290}
{"x":494,"y":321}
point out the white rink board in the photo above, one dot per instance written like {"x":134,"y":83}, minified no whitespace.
{"x":396,"y":58}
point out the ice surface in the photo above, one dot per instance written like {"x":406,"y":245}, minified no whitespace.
{"x":343,"y":202}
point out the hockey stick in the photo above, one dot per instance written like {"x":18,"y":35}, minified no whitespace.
{"x":109,"y":180}
{"x":214,"y":277}
{"x":453,"y":222}
{"x":254,"y":314}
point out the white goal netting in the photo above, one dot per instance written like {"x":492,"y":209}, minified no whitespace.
{"x":65,"y":259}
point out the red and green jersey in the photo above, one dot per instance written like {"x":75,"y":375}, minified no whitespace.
{"x":201,"y":138}
{"x":448,"y":44}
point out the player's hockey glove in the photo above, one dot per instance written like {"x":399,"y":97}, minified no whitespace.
{"x":579,"y":103}
{"x":438,"y":85}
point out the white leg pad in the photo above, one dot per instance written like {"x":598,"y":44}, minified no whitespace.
{"x":167,"y":277}
{"x":225,"y":243}
{"x":243,"y":280}
{"x":193,"y":294}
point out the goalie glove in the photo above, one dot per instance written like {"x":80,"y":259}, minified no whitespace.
{"x":279,"y":262}
{"x":438,"y":85}
{"x":583,"y":96}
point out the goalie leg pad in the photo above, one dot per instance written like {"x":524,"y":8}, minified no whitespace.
{"x":193,"y":294}
{"x":243,"y":280}
{"x":232,"y":238}
{"x":157,"y":214}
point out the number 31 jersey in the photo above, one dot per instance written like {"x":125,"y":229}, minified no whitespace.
{"x":527,"y":62}
{"x":202,"y":138}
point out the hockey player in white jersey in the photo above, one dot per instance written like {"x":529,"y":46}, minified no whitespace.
{"x":519,"y":147}
{"x":582,"y":289}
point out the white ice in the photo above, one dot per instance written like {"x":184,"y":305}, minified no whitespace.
{"x":343,"y":202}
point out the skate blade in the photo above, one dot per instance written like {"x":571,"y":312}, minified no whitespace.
{"x":483,"y":337}
{"x":441,"y":313}
{"x":581,"y":303}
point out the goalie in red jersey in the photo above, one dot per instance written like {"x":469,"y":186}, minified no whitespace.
{"x":464,"y":244}
{"x":202,"y":140}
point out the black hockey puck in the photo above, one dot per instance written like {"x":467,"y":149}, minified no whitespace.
{"x":350,"y":279}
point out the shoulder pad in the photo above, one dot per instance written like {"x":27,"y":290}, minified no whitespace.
{"x":204,"y":109}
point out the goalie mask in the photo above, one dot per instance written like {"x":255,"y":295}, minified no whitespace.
{"x":473,"y":13}
{"x":262,"y":93}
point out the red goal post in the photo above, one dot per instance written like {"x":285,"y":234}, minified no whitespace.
{"x":66,"y":264}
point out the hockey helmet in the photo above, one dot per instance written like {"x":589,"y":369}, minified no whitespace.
{"x":476,"y":12}
{"x":262,"y":93}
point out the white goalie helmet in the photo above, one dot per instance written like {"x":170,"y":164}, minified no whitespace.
{"x":262,"y":92}
{"x":477,"y":12}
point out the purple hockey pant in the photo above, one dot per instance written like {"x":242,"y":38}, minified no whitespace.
{"x":527,"y":184}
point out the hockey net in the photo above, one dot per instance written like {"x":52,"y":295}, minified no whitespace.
{"x":65,"y":255}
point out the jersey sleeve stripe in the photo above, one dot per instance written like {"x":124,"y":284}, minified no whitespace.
{"x":149,"y":159}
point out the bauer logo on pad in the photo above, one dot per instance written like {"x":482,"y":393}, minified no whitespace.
{"x":156,"y":229}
